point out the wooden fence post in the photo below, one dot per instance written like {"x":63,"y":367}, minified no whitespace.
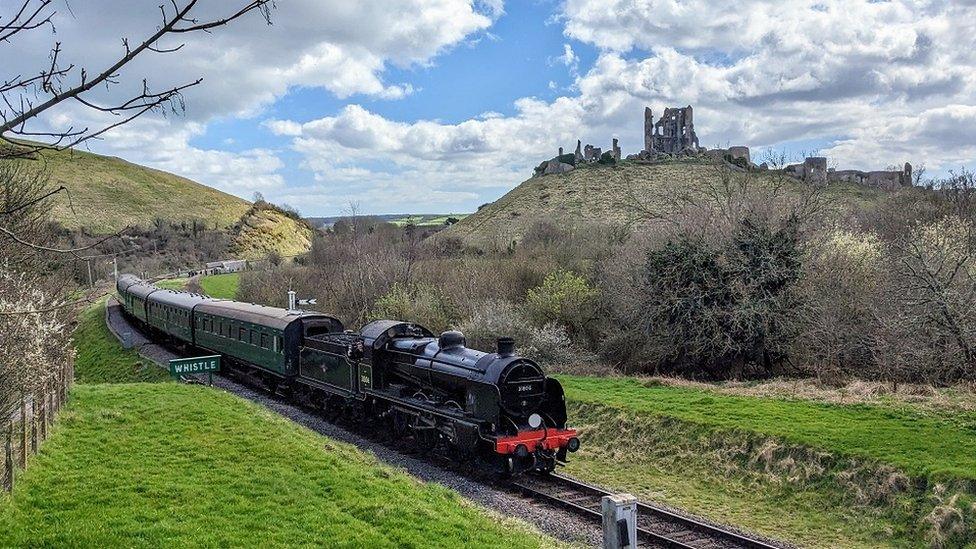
{"x":23,"y":429}
{"x":34,"y":424}
{"x":8,"y":481}
{"x":42,"y":426}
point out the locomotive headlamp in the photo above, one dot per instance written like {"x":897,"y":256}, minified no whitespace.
{"x":573,"y":444}
{"x":535,"y":421}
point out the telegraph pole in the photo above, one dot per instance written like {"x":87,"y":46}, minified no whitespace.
{"x":115,"y":267}
{"x":91,"y":283}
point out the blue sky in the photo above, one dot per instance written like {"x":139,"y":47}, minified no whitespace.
{"x":442,"y":105}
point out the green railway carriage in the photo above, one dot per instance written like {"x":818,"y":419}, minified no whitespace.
{"x":267,"y":337}
{"x":171,"y":312}
{"x":136,"y":298}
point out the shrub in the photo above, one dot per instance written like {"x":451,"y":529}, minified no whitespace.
{"x":721,"y":310}
{"x":843,"y":275}
{"x":418,"y":302}
{"x":565,"y":298}
{"x":493,"y":319}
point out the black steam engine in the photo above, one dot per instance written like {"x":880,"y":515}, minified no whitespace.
{"x":397,"y":375}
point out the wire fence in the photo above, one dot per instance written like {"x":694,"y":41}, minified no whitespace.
{"x":26,"y":423}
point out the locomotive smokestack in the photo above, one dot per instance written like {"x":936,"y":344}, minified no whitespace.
{"x":506,"y":346}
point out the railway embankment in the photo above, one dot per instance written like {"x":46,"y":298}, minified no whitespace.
{"x":820,"y":474}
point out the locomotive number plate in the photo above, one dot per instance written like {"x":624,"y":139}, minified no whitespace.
{"x":365,"y":377}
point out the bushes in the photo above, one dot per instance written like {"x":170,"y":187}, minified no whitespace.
{"x":418,"y":302}
{"x":737,"y":280}
{"x":564,"y":298}
{"x":548,"y":343}
{"x":718,"y":310}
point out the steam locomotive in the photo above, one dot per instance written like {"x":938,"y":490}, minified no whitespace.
{"x":496,"y":407}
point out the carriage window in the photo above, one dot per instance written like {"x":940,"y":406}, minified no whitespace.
{"x":254,"y":337}
{"x":264,"y":340}
{"x":240,"y":334}
{"x":277,"y":343}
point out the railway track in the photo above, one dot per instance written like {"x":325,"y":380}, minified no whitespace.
{"x":656,"y":526}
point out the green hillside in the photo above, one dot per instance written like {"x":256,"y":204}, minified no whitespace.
{"x":264,"y":229}
{"x":107,"y":194}
{"x":596,"y":193}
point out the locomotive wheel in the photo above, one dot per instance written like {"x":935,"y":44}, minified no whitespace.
{"x":426,"y":438}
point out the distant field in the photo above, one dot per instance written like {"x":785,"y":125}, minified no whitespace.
{"x":108,"y":194}
{"x":102,"y":359}
{"x":426,"y":220}
{"x":423,"y":220}
{"x":223,"y":286}
{"x":168,"y":465}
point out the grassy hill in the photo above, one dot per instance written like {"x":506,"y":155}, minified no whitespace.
{"x":108,"y":194}
{"x":594,"y":193}
{"x":264,"y":229}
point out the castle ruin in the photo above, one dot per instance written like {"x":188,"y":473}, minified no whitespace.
{"x":672,"y":133}
{"x":673,"y":136}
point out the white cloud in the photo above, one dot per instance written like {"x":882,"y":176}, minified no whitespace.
{"x":569,"y":59}
{"x":340,"y":46}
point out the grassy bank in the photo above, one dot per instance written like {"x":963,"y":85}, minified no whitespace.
{"x":222,"y":286}
{"x":919,"y":443}
{"x":102,"y":359}
{"x":172,"y":283}
{"x":850,"y":475}
{"x":176,"y":465}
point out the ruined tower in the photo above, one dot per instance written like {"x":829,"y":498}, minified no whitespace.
{"x":672,"y":133}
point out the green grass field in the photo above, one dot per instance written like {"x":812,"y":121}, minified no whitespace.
{"x":222,"y":286}
{"x":605,"y":195}
{"x":168,"y":465}
{"x":102,"y":359}
{"x":918,"y":443}
{"x":426,"y":220}
{"x":849,"y":475}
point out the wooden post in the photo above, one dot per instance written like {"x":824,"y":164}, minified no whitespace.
{"x":8,"y":481}
{"x":23,"y":429}
{"x":34,"y":424}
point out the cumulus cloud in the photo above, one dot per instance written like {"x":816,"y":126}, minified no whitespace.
{"x":398,"y":166}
